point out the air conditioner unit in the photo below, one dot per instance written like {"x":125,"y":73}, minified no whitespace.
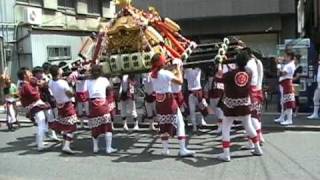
{"x":33,"y":15}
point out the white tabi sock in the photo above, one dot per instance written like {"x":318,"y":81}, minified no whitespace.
{"x":66,"y":147}
{"x":225,"y":156}
{"x":165,"y":144}
{"x":289,"y":113}
{"x":183,"y":150}
{"x":95,"y":145}
{"x":108,"y":138}
{"x":316,"y":110}
{"x":182,"y":143}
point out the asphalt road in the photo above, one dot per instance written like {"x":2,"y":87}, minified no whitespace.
{"x":288,"y":155}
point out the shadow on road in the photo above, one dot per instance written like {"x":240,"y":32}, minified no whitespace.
{"x":136,"y":147}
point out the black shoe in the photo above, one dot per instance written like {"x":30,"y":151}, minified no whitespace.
{"x":18,"y":124}
{"x":10,"y":127}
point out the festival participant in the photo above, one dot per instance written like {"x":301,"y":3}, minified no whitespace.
{"x":195,"y":99}
{"x":11,"y":95}
{"x":82,"y":97}
{"x":216,"y":88}
{"x":67,"y":117}
{"x":149,"y":100}
{"x":255,"y":67}
{"x":31,"y":100}
{"x":286,"y":72}
{"x":127,"y":101}
{"x":236,"y":105}
{"x":166,"y":105}
{"x":296,"y":82}
{"x":111,"y":99}
{"x":46,"y":70}
{"x":316,"y":97}
{"x":73,"y":75}
{"x":177,"y":91}
{"x":46,"y":96}
{"x":99,"y":118}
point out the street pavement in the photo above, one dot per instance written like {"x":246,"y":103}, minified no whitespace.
{"x":288,"y":155}
{"x":300,"y":123}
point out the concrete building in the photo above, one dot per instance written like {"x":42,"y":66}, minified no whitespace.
{"x":36,"y":31}
{"x":262,"y":24}
{"x":1,"y":51}
{"x":309,"y":20}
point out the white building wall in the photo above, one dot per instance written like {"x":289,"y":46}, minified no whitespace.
{"x":7,"y":11}
{"x":7,"y":20}
{"x":40,"y":42}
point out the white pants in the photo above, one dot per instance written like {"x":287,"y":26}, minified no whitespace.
{"x":256,"y":123}
{"x":193,"y":104}
{"x":128,"y":108}
{"x":55,"y":112}
{"x":11,"y":114}
{"x":285,"y":112}
{"x":40,"y":118}
{"x":181,"y":132}
{"x":316,"y":97}
{"x":214,"y":105}
{"x":150,"y":109}
{"x":281,"y":98}
{"x":49,"y":116}
{"x":246,"y":122}
{"x":83,"y":107}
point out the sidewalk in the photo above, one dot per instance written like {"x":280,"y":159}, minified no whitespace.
{"x":300,"y":123}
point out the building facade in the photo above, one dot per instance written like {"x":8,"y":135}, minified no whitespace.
{"x":309,"y":20}
{"x":37,"y":31}
{"x":262,"y":24}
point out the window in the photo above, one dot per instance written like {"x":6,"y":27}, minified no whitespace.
{"x":94,"y":7}
{"x":56,"y":53}
{"x":66,"y":3}
{"x":31,"y":2}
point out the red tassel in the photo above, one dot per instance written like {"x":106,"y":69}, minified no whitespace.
{"x":258,"y":134}
{"x":254,"y":139}
{"x":182,"y":137}
{"x":258,"y":131}
{"x":226,"y":144}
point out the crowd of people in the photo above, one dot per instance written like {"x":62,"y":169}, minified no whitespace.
{"x":57,"y":101}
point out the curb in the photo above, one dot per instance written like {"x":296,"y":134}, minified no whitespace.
{"x":291,"y":128}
